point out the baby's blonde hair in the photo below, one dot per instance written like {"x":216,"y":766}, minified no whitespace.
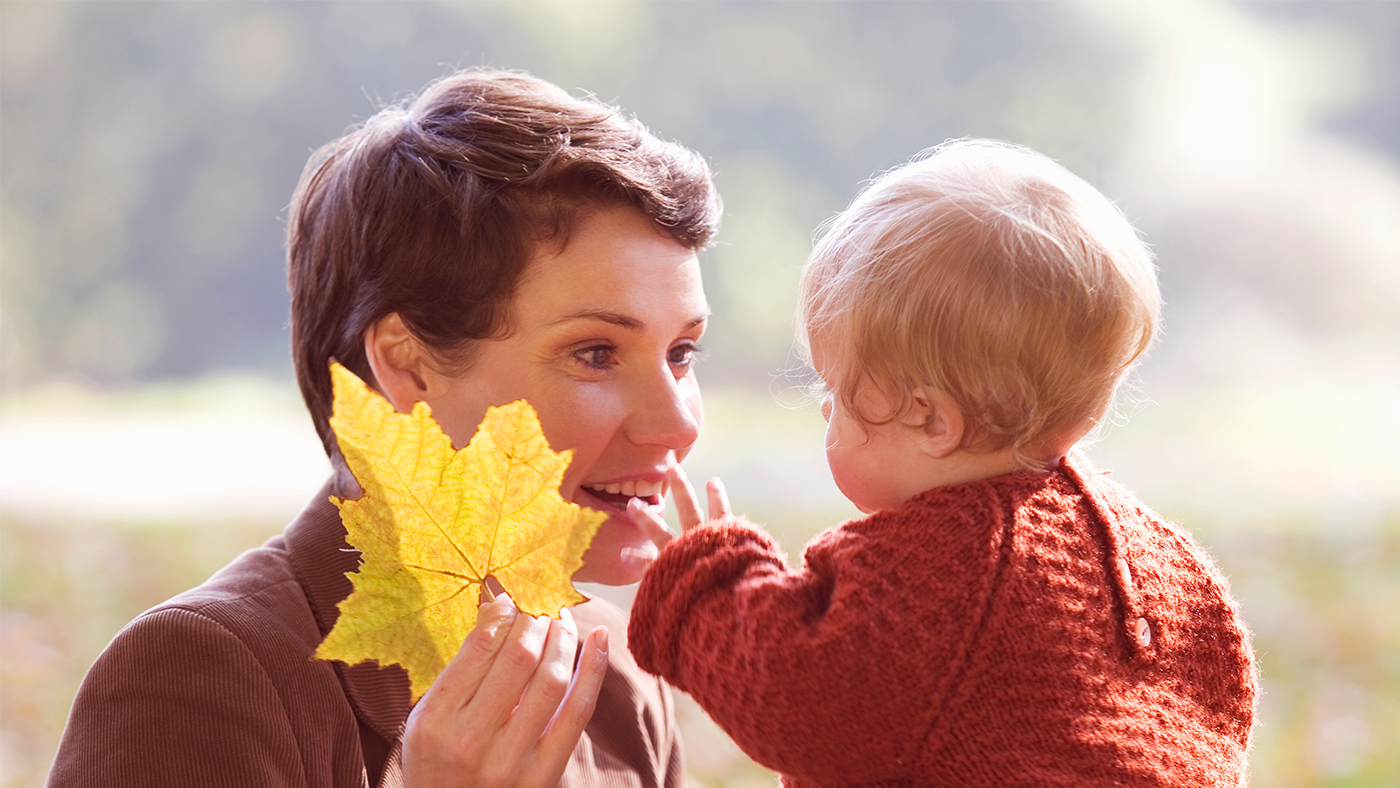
{"x":988,"y":272}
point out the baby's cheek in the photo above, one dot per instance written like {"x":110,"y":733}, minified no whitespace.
{"x":847,"y":476}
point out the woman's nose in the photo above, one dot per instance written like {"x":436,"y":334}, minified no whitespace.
{"x":666,"y":412}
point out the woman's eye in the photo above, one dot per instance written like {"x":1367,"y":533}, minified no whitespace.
{"x":596,"y":357}
{"x":683,"y":355}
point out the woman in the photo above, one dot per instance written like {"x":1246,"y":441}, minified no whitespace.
{"x":495,"y":239}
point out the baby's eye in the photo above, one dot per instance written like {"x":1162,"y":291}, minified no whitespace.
{"x":597,"y":357}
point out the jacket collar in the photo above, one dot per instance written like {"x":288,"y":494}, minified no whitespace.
{"x":1113,"y":507}
{"x":322,"y":558}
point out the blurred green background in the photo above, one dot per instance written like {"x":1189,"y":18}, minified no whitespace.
{"x":149,"y":425}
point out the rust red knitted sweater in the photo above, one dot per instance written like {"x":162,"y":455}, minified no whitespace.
{"x":1035,"y":629}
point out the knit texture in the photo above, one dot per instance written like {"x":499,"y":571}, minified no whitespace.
{"x":218,"y":687}
{"x":982,"y":635}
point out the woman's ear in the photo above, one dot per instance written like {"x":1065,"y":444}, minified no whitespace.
{"x":400,"y":363}
{"x":943,"y":423}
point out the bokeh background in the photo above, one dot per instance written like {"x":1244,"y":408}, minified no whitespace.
{"x":150,"y":429}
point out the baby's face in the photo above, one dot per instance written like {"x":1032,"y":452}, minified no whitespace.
{"x":877,"y":467}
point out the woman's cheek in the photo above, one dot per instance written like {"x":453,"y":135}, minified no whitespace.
{"x":697,"y":411}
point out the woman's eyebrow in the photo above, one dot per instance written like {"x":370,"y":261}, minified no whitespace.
{"x":618,"y":319}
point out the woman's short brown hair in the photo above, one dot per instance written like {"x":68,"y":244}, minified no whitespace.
{"x":433,"y":208}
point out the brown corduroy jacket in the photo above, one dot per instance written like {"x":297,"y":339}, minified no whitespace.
{"x":217,"y":687}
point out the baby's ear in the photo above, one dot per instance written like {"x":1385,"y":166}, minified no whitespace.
{"x":942,"y":420}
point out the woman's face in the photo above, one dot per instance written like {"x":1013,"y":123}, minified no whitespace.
{"x":602,"y":344}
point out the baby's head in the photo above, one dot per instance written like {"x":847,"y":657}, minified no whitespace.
{"x":985,"y":275}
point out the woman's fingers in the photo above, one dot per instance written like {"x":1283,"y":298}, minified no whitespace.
{"x":548,"y":686}
{"x":512,"y":669}
{"x":557,"y":705}
{"x":577,"y":709}
{"x":526,"y":709}
{"x":443,"y":740}
{"x":459,"y":681}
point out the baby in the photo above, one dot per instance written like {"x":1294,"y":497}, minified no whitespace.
{"x":1005,"y":615}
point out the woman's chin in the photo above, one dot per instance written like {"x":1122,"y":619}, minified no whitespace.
{"x":618,"y":556}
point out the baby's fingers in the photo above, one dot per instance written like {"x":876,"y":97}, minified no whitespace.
{"x":650,"y":522}
{"x":683,"y":495}
{"x":719,"y":499}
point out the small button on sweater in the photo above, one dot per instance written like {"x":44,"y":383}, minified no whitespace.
{"x":1035,"y":629}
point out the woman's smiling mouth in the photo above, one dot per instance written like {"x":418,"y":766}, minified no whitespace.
{"x":619,"y":493}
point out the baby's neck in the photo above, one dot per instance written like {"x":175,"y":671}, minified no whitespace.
{"x":965,"y":467}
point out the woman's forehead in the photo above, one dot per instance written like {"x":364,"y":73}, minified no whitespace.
{"x":617,"y":267}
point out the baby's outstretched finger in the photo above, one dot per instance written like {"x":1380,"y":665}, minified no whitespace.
{"x":719,"y":499}
{"x":683,"y":495}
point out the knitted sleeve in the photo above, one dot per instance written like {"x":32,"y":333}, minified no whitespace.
{"x":795,"y":665}
{"x":177,"y":700}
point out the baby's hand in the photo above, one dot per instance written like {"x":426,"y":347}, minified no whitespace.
{"x":684,"y":497}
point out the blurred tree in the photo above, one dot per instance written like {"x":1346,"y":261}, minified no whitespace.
{"x":151,"y":147}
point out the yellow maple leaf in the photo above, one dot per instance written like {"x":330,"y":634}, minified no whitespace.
{"x":433,"y":523}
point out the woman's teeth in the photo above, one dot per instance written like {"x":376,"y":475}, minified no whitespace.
{"x":637,"y":489}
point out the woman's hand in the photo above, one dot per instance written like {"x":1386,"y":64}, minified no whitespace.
{"x":510,"y":707}
{"x":683,"y":495}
